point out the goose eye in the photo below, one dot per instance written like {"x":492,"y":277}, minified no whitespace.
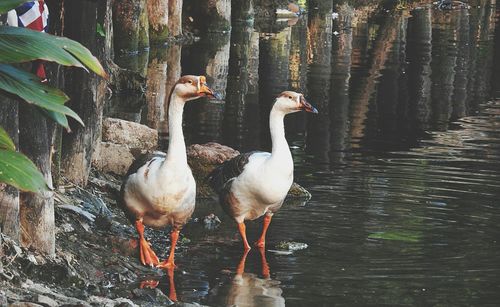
{"x":289,"y":97}
{"x":190,"y":81}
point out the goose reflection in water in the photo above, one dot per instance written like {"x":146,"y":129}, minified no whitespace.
{"x":247,"y":289}
{"x":153,"y":283}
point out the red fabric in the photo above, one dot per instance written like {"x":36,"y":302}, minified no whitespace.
{"x":37,"y":25}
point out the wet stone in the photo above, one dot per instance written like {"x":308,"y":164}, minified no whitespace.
{"x":211,"y":221}
{"x":162,"y":298}
{"x":291,"y":246}
{"x":25,"y":304}
{"x":46,"y":301}
{"x":3,"y":299}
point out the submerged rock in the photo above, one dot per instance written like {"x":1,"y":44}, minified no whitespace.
{"x":211,"y":221}
{"x":291,"y":246}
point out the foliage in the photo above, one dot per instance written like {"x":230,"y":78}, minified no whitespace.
{"x":7,"y":5}
{"x":28,"y":87}
{"x":19,"y":45}
{"x":16,"y":169}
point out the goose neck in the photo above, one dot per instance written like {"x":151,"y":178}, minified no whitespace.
{"x":176,"y":145}
{"x":277,"y":128}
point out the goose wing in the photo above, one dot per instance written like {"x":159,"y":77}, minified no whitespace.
{"x":141,"y":161}
{"x":224,"y":173}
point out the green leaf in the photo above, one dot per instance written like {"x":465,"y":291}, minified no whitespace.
{"x":100,"y":30}
{"x":7,"y":5}
{"x":28,"y":87}
{"x":405,"y":236}
{"x":5,"y":141}
{"x":59,"y":118}
{"x":20,"y":45}
{"x":17,"y":170}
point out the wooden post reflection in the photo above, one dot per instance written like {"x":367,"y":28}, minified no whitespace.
{"x":339,"y":86}
{"x":240,"y":127}
{"x":319,"y":48}
{"x":443,"y":67}
{"x":419,"y":55}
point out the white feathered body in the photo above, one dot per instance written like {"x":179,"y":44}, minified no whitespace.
{"x":161,"y":194}
{"x":263,"y":185}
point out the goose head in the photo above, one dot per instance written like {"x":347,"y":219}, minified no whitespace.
{"x":291,"y":102}
{"x":191,"y":87}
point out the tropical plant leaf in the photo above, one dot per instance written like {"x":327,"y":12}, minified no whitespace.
{"x":6,"y":141}
{"x":7,"y":5}
{"x":17,"y":170}
{"x":28,"y":87}
{"x":100,"y":30}
{"x":59,"y":118}
{"x":20,"y":45}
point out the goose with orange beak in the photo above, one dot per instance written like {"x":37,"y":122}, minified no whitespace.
{"x":255,"y":184}
{"x":159,"y":189}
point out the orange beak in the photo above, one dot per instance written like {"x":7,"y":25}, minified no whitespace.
{"x":205,"y":90}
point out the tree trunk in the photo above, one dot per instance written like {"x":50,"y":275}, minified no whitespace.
{"x":86,"y":90}
{"x":9,"y":196}
{"x":37,"y":209}
{"x":175,"y":17}
{"x":158,"y":20}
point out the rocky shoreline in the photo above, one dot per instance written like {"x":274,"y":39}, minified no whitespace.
{"x":96,"y":251}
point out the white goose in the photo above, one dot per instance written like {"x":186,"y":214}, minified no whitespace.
{"x":256,"y":183}
{"x":159,"y":189}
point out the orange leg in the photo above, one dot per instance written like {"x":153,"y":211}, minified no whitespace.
{"x":169,"y":263}
{"x":243,"y":232}
{"x":241,"y":266}
{"x":262,"y":241}
{"x":173,"y":293}
{"x":147,"y":255}
{"x":265,"y":267}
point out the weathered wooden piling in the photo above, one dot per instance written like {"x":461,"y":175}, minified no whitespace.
{"x":158,"y":20}
{"x":128,"y":23}
{"x":203,"y":16}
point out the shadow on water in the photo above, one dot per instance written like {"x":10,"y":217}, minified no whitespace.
{"x":403,"y":160}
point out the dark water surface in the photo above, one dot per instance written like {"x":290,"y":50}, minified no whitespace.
{"x":403,"y":159}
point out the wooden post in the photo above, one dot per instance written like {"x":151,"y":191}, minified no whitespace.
{"x":208,"y":16}
{"x":37,"y":209}
{"x":175,"y":17}
{"x":9,"y":196}
{"x":243,"y":11}
{"x":86,"y":90}
{"x":127,"y":24}
{"x":156,"y":84}
{"x":158,"y":20}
